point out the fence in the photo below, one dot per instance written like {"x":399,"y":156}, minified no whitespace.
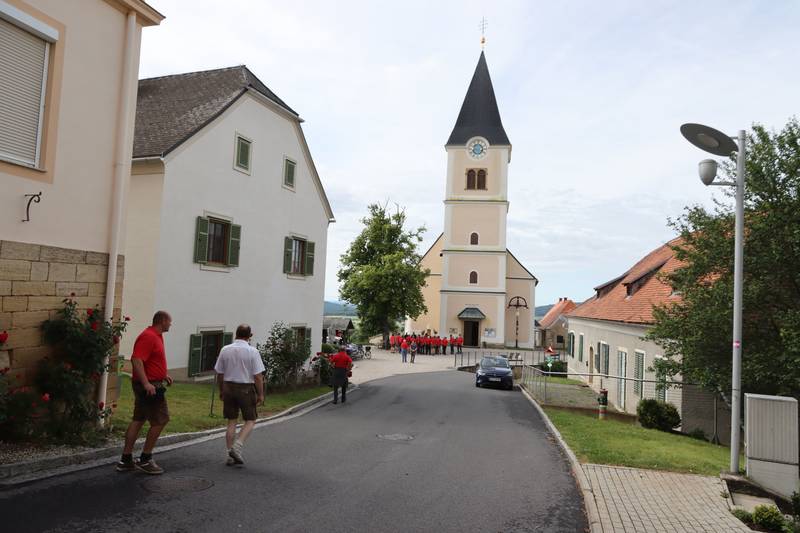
{"x":469,"y":358}
{"x":580,"y":390}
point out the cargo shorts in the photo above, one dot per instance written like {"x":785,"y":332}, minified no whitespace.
{"x":152,"y":409}
{"x":239,"y":397}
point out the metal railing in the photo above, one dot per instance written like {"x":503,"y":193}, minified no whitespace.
{"x":515,"y":358}
{"x":624,"y":392}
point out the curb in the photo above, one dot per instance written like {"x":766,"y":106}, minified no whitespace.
{"x":24,"y":472}
{"x":589,"y":503}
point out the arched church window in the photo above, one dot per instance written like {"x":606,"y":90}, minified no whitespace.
{"x":471,"y":179}
{"x":473,"y":277}
{"x":473,"y":239}
{"x":482,"y":179}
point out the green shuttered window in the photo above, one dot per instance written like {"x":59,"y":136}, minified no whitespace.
{"x":204,"y":349}
{"x":580,"y":347}
{"x":298,"y":256}
{"x":243,"y":149}
{"x":289,"y":167}
{"x":217,"y":242}
{"x":638,"y":373}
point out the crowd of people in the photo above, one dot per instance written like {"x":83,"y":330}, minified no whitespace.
{"x":411,"y":344}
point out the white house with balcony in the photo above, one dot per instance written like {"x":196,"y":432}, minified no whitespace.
{"x":227,"y":218}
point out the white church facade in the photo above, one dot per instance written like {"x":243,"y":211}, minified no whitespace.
{"x":476,"y":287}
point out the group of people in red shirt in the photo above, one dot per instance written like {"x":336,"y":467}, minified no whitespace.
{"x":425,"y":344}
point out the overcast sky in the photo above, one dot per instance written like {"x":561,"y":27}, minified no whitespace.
{"x":591,"y":94}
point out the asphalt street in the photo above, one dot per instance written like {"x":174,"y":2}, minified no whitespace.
{"x":477,"y":460}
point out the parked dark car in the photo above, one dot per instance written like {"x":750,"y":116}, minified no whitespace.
{"x":494,"y":371}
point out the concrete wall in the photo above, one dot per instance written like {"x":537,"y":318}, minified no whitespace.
{"x":199,"y":180}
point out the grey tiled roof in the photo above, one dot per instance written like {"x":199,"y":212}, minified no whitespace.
{"x":170,"y":109}
{"x":479,"y":115}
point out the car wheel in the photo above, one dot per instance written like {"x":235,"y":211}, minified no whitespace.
{"x":477,"y":384}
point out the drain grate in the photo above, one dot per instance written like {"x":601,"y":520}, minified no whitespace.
{"x":396,"y":436}
{"x":169,"y":484}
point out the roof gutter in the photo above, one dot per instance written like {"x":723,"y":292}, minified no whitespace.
{"x":122,"y":170}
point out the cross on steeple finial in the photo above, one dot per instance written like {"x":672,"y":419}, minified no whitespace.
{"x":482,"y":26}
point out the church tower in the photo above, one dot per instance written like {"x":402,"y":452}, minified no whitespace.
{"x":473,"y":275}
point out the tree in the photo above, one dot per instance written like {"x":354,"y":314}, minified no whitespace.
{"x":381,"y":272}
{"x":696,"y":331}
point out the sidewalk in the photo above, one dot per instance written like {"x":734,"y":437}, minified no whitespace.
{"x":384,"y":364}
{"x":630,"y":500}
{"x":633,"y":500}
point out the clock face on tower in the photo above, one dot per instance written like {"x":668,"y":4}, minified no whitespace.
{"x":477,"y":148}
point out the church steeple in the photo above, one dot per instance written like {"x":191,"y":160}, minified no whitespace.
{"x":479,"y":116}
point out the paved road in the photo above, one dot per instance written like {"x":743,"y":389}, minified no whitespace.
{"x":480,"y":460}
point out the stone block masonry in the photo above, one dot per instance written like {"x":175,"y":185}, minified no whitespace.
{"x":34,"y":280}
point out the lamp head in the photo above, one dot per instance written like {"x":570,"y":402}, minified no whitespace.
{"x":707,"y":168}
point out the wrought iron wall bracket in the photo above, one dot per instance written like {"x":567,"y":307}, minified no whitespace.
{"x":31,"y":198}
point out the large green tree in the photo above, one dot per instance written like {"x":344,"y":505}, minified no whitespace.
{"x":381,"y":272}
{"x":696,"y":331}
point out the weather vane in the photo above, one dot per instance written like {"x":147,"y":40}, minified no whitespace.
{"x":482,"y":26}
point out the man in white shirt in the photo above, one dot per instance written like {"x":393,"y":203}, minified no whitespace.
{"x":241,"y":388}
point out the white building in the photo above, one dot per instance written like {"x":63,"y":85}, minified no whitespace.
{"x":227,"y":219}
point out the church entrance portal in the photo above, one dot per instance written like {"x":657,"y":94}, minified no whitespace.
{"x":471,"y":333}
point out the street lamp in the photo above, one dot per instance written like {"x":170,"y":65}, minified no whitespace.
{"x":717,"y":143}
{"x":517,"y":302}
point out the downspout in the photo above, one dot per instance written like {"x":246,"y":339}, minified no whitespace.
{"x":122,"y":162}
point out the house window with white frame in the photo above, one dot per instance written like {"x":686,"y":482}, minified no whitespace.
{"x":243,"y":156}
{"x":24,"y":58}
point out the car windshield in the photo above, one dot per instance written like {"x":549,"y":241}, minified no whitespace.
{"x":494,"y":362}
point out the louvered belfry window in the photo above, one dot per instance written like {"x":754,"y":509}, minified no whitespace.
{"x":23,"y":79}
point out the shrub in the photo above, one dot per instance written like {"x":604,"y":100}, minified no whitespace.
{"x":768,"y":517}
{"x":283,"y":355}
{"x":61,"y":405}
{"x":328,"y":348}
{"x":558,"y":366}
{"x":655,"y":414}
{"x":796,"y":505}
{"x":743,"y":515}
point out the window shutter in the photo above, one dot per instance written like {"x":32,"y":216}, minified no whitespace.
{"x":23,"y":65}
{"x":309,"y":258}
{"x":638,"y":367}
{"x":227,"y":338}
{"x":308,"y":334}
{"x":201,"y":240}
{"x":195,"y":354}
{"x":288,"y":174}
{"x":234,"y":240}
{"x":580,"y":348}
{"x":243,"y":153}
{"x":287,"y":255}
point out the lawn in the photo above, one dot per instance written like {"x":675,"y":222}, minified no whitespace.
{"x":619,"y":443}
{"x":189,"y":405}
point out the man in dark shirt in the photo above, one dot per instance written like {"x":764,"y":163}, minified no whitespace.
{"x":341,"y":368}
{"x":149,"y":383}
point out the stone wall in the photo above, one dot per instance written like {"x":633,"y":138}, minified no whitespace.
{"x":34,"y":281}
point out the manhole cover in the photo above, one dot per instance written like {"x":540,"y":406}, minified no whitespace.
{"x":396,"y":436}
{"x":165,"y":484}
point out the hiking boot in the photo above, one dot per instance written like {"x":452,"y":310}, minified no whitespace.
{"x":149,"y":467}
{"x":125,"y":466}
{"x":235,"y":453}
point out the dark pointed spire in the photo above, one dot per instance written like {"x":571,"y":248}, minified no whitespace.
{"x":479,"y":115}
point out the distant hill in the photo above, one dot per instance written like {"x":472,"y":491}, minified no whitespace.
{"x":339,"y":309}
{"x":542,"y":310}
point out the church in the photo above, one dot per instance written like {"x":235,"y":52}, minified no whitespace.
{"x":476,"y":287}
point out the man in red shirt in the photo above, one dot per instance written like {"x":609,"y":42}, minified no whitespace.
{"x":149,"y":382}
{"x":459,"y":343}
{"x":404,"y":350}
{"x":341,"y":368}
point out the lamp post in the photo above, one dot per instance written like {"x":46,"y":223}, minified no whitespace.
{"x":718,"y":143}
{"x":517,"y":302}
